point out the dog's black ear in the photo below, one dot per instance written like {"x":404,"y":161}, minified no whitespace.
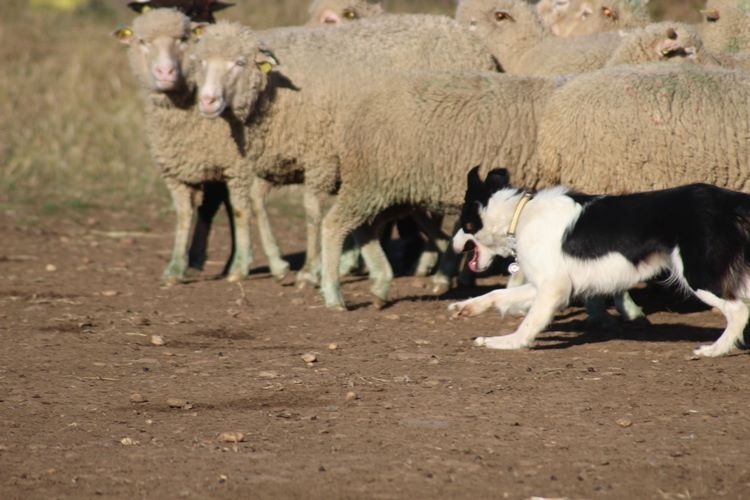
{"x":217,"y":6}
{"x":473,"y":181}
{"x":497,"y":179}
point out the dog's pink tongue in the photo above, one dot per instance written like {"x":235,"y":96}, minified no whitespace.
{"x":474,"y":262}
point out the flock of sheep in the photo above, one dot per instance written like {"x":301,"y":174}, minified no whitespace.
{"x":390,"y":112}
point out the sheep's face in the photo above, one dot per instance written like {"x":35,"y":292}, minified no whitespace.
{"x":158,"y":43}
{"x":231,"y":70}
{"x":672,"y":41}
{"x":499,"y":22}
{"x":586,"y":17}
{"x":485,"y":218}
{"x":337,"y":12}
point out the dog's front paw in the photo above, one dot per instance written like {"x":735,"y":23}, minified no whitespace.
{"x":464,"y":309}
{"x":505,"y":342}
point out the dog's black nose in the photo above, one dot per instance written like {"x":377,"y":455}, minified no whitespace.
{"x":469,"y":246}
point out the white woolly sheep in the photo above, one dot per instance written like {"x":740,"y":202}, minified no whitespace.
{"x":336,"y":12}
{"x":513,"y":32}
{"x":653,"y":126}
{"x":290,"y":126}
{"x":189,"y":150}
{"x":410,"y":140}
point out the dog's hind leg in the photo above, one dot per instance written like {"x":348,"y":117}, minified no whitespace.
{"x":736,"y":313}
{"x":548,"y":300}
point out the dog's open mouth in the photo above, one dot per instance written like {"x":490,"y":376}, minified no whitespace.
{"x":474,"y":261}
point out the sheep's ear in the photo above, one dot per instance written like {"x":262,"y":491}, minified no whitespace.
{"x":497,"y":179}
{"x":217,"y":6}
{"x":124,"y":35}
{"x":266,"y":60}
{"x":711,"y":15}
{"x":140,"y":7}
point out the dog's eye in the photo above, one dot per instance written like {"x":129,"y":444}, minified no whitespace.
{"x":469,"y":227}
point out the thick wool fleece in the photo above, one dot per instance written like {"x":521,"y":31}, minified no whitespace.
{"x":637,"y":128}
{"x":726,"y":26}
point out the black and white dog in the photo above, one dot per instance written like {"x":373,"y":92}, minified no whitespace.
{"x":576,"y":245}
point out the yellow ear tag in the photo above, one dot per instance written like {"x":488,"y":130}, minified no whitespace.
{"x":124,"y":33}
{"x":265,"y":67}
{"x":198,"y":30}
{"x":145,"y":9}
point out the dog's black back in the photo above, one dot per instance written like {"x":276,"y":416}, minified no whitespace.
{"x":710,"y":227}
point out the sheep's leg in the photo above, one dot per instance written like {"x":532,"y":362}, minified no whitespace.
{"x":430,"y":255}
{"x":448,"y":263}
{"x":736,"y":313}
{"x":258,"y":192}
{"x":381,"y":273}
{"x":628,"y":309}
{"x":549,"y":297}
{"x":243,"y":257}
{"x":596,"y":310}
{"x":183,"y":200}
{"x":349,"y":257}
{"x":337,"y":224}
{"x":214,"y":194}
{"x":310,"y":272}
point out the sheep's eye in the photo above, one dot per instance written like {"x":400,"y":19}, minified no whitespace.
{"x":349,"y":14}
{"x":142,"y":41}
{"x":240,"y":63}
{"x":607,"y":12}
{"x":503,"y":16}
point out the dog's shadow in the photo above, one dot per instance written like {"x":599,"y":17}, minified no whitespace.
{"x":565,"y":334}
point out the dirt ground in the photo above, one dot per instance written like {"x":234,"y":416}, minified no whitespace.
{"x":586,"y":414}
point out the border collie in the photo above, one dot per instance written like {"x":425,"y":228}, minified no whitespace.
{"x":569,"y":245}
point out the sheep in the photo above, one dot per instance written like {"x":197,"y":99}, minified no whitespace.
{"x":637,"y":128}
{"x":567,"y":18}
{"x":189,"y":150}
{"x":665,"y":41}
{"x":515,"y":35}
{"x":289,"y":133}
{"x":726,"y":26}
{"x":336,"y":12}
{"x":215,"y":194}
{"x":438,"y":125}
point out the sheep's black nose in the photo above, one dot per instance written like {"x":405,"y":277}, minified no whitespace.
{"x":469,"y":246}
{"x":671,"y":34}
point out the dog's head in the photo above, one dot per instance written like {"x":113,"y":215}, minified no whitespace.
{"x":485,"y":217}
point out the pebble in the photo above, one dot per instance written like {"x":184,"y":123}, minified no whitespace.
{"x":333,"y":346}
{"x":51,"y":268}
{"x":231,"y":437}
{"x":268,"y":374}
{"x":157,"y":340}
{"x":309,"y":358}
{"x":179,"y":403}
{"x":624,"y":422}
{"x":137,"y":398}
{"x":110,"y":293}
{"x":126,"y":441}
{"x":351,"y":396}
